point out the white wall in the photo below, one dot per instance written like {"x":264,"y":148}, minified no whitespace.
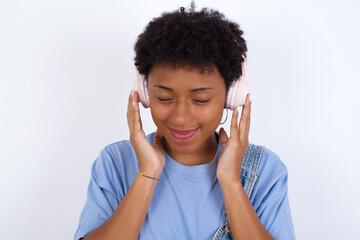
{"x":67,"y":69}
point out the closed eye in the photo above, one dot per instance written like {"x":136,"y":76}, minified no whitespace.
{"x":169,"y":99}
{"x":163,"y":99}
{"x":204,"y":101}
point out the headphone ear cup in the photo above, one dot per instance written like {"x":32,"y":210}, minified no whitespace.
{"x":238,"y":90}
{"x":146,"y":94}
{"x":139,"y":86}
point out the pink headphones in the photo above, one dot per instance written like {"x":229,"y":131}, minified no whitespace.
{"x":236,"y":95}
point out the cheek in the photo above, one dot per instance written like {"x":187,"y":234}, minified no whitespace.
{"x":211,"y":116}
{"x":159,"y":113}
{"x":214,"y":111}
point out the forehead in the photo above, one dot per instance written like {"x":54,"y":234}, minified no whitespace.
{"x":185,"y":76}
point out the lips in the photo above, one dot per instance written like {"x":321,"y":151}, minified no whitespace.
{"x":183,"y":134}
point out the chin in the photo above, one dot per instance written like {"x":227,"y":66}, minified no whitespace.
{"x":182,"y":147}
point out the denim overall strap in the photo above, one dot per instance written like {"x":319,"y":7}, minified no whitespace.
{"x":250,"y":166}
{"x":249,"y":177}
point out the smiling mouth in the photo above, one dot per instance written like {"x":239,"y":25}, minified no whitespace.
{"x":183,"y":134}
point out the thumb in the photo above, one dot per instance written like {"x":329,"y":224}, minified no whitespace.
{"x":158,"y":138}
{"x":223,"y":136}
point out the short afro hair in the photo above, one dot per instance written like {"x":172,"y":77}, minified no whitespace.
{"x":202,"y":40}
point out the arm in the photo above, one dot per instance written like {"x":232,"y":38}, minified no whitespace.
{"x":126,"y":221}
{"x":129,"y":216}
{"x":243,"y":220}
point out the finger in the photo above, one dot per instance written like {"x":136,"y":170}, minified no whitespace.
{"x":158,"y":137}
{"x":130,"y":115}
{"x":234,"y":131}
{"x":245,"y":120}
{"x":133,"y":114}
{"x":136,"y":112}
{"x":223,"y":136}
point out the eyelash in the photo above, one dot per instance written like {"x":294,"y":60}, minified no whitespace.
{"x":164,"y":100}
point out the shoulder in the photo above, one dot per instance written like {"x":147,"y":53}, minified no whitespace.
{"x":270,"y":168}
{"x":125,"y":145}
{"x":271,"y":172}
{"x":116,"y":165}
{"x":114,"y":154}
{"x":270,"y":196}
{"x":270,"y":161}
{"x":260,"y":159}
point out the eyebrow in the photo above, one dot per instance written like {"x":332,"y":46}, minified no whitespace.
{"x":192,"y":90}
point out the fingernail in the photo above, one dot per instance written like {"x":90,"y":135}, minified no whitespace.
{"x":133,"y":103}
{"x":250,"y":98}
{"x":132,"y":92}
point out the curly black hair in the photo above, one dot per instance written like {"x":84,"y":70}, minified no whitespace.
{"x":201,"y":40}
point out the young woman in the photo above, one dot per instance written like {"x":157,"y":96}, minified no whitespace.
{"x":186,"y":181}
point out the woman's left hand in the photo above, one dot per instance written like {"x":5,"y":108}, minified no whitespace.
{"x":233,"y":148}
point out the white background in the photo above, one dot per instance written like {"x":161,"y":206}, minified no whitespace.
{"x":66,"y":70}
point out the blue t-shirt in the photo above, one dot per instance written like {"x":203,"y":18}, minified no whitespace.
{"x":187,"y":201}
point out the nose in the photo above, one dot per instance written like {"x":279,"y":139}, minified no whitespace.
{"x":182,"y":114}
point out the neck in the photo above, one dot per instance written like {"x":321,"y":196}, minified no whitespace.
{"x":203,"y":155}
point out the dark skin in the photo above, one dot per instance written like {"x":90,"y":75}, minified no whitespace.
{"x":186,"y":99}
{"x":190,"y":100}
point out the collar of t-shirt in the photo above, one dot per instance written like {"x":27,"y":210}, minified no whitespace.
{"x":210,"y":167}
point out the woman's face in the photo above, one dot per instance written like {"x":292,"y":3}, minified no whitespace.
{"x":184,"y":99}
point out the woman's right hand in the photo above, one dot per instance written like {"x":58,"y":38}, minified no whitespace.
{"x":151,"y":157}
